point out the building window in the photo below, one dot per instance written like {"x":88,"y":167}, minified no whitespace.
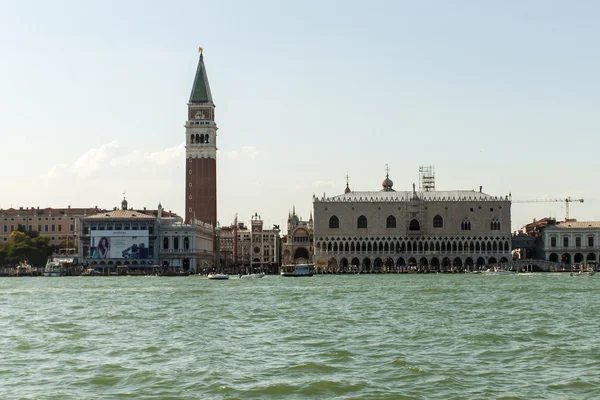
{"x":565,"y":242}
{"x":60,"y":228}
{"x":390,"y":222}
{"x":438,"y":221}
{"x":186,"y":243}
{"x":334,"y":222}
{"x":495,"y":225}
{"x":414,"y":225}
{"x":71,"y":228}
{"x":166,"y":243}
{"x":45,"y":228}
{"x":5,"y":228}
{"x":578,"y":241}
{"x":465,"y":225}
{"x":590,"y":241}
{"x":176,"y":243}
{"x":150,"y":230}
{"x":553,"y":242}
{"x":362,"y":222}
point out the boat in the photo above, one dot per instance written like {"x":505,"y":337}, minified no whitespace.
{"x":218,"y":276}
{"x":253,"y":276}
{"x":297,"y":270}
{"x":589,"y":271}
{"x":54,"y":268}
{"x":499,"y":271}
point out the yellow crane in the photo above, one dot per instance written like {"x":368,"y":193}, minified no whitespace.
{"x":566,"y":201}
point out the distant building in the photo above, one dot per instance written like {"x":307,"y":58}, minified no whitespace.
{"x":386,"y":229}
{"x":246,"y":248}
{"x":572,"y":242}
{"x":297,"y":245}
{"x":59,"y":224}
{"x":127,"y":238}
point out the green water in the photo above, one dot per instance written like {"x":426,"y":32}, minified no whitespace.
{"x":347,"y":337}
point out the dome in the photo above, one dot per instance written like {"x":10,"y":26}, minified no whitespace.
{"x":387,"y":185}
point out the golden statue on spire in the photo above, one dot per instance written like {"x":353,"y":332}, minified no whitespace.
{"x":200,"y":50}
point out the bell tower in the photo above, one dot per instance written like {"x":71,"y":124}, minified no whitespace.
{"x":201,"y":152}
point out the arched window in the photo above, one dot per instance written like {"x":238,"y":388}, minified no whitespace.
{"x":495,"y":225}
{"x":465,"y":225}
{"x":192,"y":139}
{"x":362,"y":222}
{"x":206,"y":138}
{"x":176,"y":243}
{"x":166,"y":243}
{"x":334,"y":222}
{"x":186,"y":243}
{"x":438,"y":221}
{"x":197,"y":138}
{"x":202,"y":138}
{"x":414,"y":225}
{"x":390,"y":222}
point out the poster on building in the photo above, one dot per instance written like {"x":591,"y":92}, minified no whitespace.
{"x":119,"y":245}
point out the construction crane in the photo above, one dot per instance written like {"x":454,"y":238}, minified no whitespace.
{"x":566,"y":201}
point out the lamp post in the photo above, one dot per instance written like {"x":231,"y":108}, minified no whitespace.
{"x":218,"y":248}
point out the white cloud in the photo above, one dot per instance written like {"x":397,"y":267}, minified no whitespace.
{"x":91,"y":160}
{"x":247,"y":151}
{"x":250,"y":151}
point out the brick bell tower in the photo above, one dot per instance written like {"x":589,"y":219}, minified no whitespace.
{"x":201,"y":152}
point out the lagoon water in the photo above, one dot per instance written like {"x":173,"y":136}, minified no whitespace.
{"x":529,"y":336}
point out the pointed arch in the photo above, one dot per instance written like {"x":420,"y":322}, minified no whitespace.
{"x":334,"y":222}
{"x":414,"y":225}
{"x":438,"y":221}
{"x":390,"y":222}
{"x":361,"y":223}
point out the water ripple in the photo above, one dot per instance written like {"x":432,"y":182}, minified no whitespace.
{"x":344,"y":337}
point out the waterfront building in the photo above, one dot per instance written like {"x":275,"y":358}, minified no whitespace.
{"x":142,"y":240}
{"x":201,"y":152}
{"x":246,"y":248}
{"x":297,"y":245}
{"x":184,"y":246}
{"x":571,"y":242}
{"x":388,"y":229}
{"x":61,"y":225}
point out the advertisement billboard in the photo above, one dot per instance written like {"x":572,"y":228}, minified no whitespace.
{"x":130,"y":245}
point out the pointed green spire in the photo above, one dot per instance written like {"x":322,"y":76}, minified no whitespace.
{"x":201,"y":89}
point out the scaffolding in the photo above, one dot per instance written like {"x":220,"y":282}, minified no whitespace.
{"x":427,"y":178}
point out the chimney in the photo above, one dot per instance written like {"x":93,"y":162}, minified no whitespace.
{"x":480,"y":188}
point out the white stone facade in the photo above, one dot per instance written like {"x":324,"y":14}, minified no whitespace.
{"x":185,"y":246}
{"x":572,"y":242}
{"x":389,"y":230}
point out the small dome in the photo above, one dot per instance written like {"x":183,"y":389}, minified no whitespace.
{"x":387,"y":185}
{"x":124,"y":204}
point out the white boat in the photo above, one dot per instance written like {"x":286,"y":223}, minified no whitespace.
{"x":590,"y":271}
{"x":297,"y":270}
{"x":218,"y":276}
{"x":253,"y":276}
{"x":54,"y":268}
{"x":499,"y":271}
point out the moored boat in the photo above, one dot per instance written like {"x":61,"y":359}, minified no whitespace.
{"x":54,"y":268}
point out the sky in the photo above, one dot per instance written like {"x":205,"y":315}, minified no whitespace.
{"x":504,"y":95}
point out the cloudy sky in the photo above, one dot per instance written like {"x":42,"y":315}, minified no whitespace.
{"x":503,"y":95}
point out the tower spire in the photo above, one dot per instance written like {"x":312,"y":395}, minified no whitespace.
{"x":201,"y":88}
